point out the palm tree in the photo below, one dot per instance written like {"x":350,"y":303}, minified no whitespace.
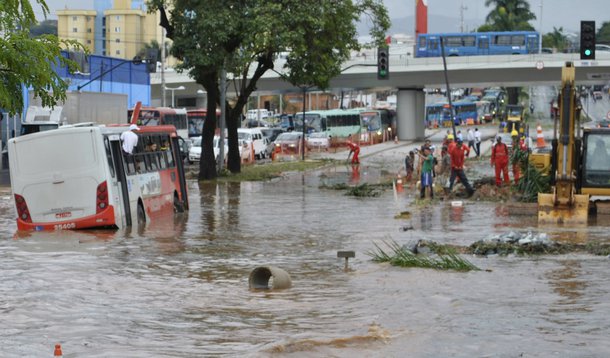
{"x":555,"y":39}
{"x":508,"y":15}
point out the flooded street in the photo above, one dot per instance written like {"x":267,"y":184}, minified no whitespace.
{"x":180,"y":288}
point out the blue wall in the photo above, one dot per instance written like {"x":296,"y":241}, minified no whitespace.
{"x":119,"y":76}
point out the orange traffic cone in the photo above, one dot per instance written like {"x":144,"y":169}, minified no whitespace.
{"x":399,"y":186}
{"x":540,"y":137}
{"x":57,"y":352}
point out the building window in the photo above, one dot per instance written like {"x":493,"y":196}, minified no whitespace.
{"x":88,"y":18}
{"x":89,"y":30}
{"x":118,"y":52}
{"x":118,"y":40}
{"x":74,"y":18}
{"x":74,"y":29}
{"x":117,"y":29}
{"x":118,"y":17}
{"x":89,"y":42}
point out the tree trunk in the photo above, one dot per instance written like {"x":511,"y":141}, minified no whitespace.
{"x":207,"y":162}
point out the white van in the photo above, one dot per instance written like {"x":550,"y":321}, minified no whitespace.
{"x":256,"y":137}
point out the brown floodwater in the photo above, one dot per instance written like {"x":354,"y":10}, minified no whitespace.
{"x":179,"y":288}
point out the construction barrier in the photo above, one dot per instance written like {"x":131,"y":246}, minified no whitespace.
{"x":540,"y":143}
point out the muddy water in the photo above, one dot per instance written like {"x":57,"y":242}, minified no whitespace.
{"x":179,"y":288}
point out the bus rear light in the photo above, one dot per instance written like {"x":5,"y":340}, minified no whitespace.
{"x":22,"y":209}
{"x":101,"y":198}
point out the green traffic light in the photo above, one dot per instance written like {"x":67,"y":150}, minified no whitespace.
{"x":588,"y":52}
{"x":382,"y":73}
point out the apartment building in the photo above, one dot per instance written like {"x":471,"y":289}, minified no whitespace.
{"x":116,"y":28}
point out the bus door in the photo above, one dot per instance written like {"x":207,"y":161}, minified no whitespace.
{"x":532,"y":45}
{"x":118,"y":161}
{"x":483,"y":47}
{"x":180,"y":168}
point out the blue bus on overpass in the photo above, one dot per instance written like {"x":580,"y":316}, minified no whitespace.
{"x":478,"y":43}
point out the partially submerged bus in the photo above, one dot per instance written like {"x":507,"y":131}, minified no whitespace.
{"x":78,"y":177}
{"x":162,"y":116}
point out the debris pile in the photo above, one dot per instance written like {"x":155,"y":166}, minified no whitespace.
{"x":514,"y":242}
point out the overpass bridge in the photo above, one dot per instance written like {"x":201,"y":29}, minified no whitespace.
{"x":409,"y":76}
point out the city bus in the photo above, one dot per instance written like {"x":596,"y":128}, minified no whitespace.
{"x":336,"y":123}
{"x":78,"y":177}
{"x":465,"y":111}
{"x":438,"y":115}
{"x":478,"y":43}
{"x":376,"y":123}
{"x":157,"y":116}
{"x":196,"y":118}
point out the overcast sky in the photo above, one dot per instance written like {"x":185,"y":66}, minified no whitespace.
{"x":557,"y":13}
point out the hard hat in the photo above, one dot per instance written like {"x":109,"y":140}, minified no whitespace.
{"x":449,"y":136}
{"x":514,"y":133}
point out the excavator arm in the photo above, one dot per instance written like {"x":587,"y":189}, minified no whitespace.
{"x":564,"y":204}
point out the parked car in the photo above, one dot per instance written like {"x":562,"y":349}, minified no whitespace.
{"x":271,"y":134}
{"x":255,"y":136}
{"x":318,"y":140}
{"x":195,"y":150}
{"x":597,"y":95}
{"x":289,"y":142}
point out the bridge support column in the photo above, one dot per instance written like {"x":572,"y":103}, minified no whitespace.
{"x":410,"y":113}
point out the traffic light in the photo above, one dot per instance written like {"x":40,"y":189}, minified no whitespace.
{"x":587,"y":40}
{"x":383,"y":63}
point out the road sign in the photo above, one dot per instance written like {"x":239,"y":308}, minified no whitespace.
{"x":539,"y":65}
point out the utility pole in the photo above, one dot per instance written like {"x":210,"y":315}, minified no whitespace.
{"x":163,"y":67}
{"x":540,"y":46}
{"x":462,"y":8}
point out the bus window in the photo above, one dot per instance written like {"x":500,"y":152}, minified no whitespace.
{"x":422,"y":42}
{"x":109,"y":156}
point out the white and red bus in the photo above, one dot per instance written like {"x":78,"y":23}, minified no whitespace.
{"x":161,"y":116}
{"x":78,"y":177}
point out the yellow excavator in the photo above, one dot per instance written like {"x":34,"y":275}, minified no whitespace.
{"x":580,"y":163}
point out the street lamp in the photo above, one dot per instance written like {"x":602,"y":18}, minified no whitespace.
{"x":181,"y":88}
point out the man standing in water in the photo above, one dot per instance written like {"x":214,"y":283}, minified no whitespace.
{"x":457,"y":153}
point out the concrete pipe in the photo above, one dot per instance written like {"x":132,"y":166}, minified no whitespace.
{"x":269,"y":277}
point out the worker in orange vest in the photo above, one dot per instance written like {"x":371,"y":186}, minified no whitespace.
{"x":499,"y":159}
{"x":355,"y":150}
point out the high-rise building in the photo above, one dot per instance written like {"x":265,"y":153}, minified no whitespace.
{"x":116,"y":28}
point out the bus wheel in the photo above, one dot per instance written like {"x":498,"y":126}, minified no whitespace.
{"x":178,"y":206}
{"x":141,"y":214}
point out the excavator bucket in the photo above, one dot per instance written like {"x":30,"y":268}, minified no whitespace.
{"x":551,"y":213}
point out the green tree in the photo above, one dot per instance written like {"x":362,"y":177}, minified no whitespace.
{"x":245,"y":37}
{"x":508,"y":15}
{"x":28,"y":61}
{"x":603,"y":34}
{"x":46,"y":27}
{"x":555,"y":39}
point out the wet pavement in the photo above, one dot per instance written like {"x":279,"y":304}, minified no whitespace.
{"x":179,"y":287}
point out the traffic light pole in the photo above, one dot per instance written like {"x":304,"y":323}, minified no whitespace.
{"x":448,"y":90}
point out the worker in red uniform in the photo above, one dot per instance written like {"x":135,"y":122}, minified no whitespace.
{"x":457,"y":153}
{"x":499,"y":159}
{"x":355,"y":150}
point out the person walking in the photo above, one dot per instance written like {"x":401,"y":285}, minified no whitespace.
{"x":470,"y":137}
{"x":499,"y":159}
{"x":426,"y":173}
{"x":409,"y":165}
{"x":457,"y":153}
{"x":477,"y":142}
{"x":444,"y":170}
